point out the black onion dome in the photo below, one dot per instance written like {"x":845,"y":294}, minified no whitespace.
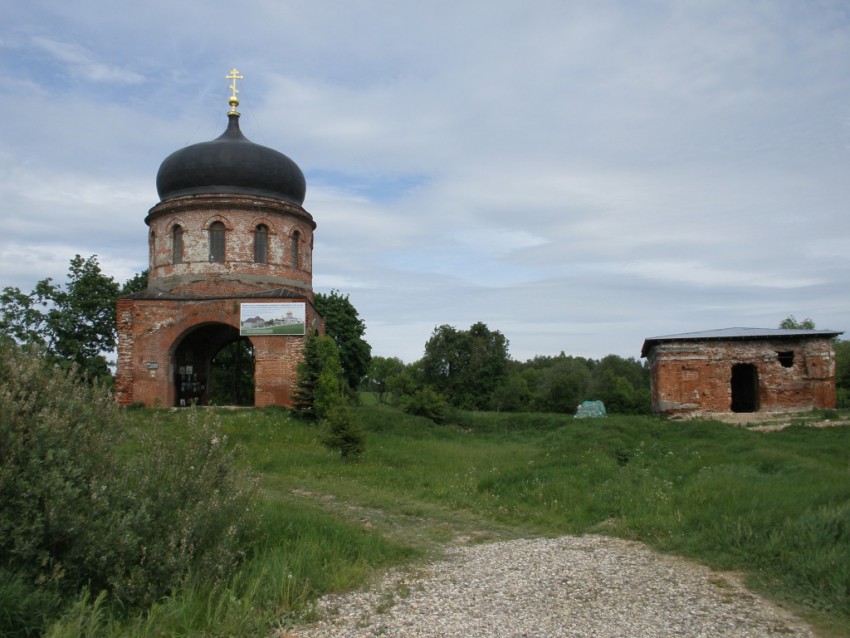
{"x":231,"y":163}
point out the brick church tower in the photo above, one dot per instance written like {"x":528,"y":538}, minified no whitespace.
{"x":230,"y":284}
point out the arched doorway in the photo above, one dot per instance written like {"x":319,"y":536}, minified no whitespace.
{"x":745,"y":388}
{"x":201,"y":361}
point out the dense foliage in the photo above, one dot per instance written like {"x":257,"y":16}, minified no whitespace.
{"x":72,"y":324}
{"x":232,"y":374}
{"x":382,"y":370}
{"x":465,"y":366}
{"x":792,"y":323}
{"x":319,"y":378}
{"x":320,"y":396}
{"x":84,"y":508}
{"x":343,"y":324}
{"x":471,"y":369}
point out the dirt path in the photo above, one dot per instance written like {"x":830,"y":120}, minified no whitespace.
{"x":486,"y":580}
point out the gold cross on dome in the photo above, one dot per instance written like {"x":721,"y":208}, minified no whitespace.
{"x":233,"y":101}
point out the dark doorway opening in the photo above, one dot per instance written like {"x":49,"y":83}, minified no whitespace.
{"x":213,"y":365}
{"x":745,"y":388}
{"x":232,"y":374}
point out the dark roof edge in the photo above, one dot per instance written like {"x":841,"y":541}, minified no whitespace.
{"x":737,"y":334}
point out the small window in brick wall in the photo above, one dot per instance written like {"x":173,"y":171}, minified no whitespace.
{"x":261,"y":244}
{"x":177,"y":244}
{"x":296,"y":238}
{"x":217,"y":242}
{"x":786,"y":358}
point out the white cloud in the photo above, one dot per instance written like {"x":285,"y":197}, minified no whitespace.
{"x":579,"y":176}
{"x":79,"y":62}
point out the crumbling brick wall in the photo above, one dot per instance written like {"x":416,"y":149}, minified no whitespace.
{"x":149,"y":331}
{"x":289,"y":256}
{"x":695,"y":377}
{"x":189,"y":291}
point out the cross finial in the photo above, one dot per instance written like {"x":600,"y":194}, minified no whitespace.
{"x":233,"y":101}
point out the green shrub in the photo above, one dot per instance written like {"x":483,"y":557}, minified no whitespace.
{"x":82,"y":508}
{"x":342,"y":432}
{"x":183,"y":508}
{"x":426,"y":402}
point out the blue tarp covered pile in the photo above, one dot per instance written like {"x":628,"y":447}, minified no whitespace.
{"x":591,"y":410}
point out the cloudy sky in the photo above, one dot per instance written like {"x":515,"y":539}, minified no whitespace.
{"x":579,"y":175}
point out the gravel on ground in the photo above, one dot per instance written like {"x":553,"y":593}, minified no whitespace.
{"x":589,"y":586}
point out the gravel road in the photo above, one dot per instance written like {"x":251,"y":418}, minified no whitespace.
{"x":589,"y":586}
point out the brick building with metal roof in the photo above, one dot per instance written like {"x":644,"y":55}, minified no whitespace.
{"x":741,"y":370}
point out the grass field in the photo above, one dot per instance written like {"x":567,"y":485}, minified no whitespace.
{"x":283,"y":329}
{"x":774,"y":506}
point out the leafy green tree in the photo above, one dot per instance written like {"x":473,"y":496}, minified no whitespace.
{"x":466,"y":366}
{"x":232,"y":374}
{"x":136,"y":283}
{"x":73,"y":324}
{"x":622,"y":384}
{"x":382,"y":371}
{"x":512,"y":395}
{"x":427,"y":402}
{"x":24,"y":316}
{"x":405,"y":383}
{"x":347,"y":329}
{"x":791,"y":323}
{"x":562,"y":385}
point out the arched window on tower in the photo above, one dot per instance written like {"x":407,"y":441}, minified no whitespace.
{"x":177,"y":244}
{"x":217,"y":242}
{"x":261,"y":244}
{"x":296,"y":240}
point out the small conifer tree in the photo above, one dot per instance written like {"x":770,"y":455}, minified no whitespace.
{"x":321,"y":395}
{"x":342,"y":432}
{"x":319,"y":378}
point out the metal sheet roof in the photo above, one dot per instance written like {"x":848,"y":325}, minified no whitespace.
{"x":737,"y":333}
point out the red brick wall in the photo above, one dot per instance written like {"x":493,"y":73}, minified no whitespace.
{"x":150,"y":330}
{"x":695,"y":377}
{"x":196,"y":275}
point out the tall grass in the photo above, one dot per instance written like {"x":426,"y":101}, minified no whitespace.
{"x":305,"y":552}
{"x":775,"y":506}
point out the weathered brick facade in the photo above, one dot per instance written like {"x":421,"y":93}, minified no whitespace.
{"x":212,"y":247}
{"x":742,"y":370}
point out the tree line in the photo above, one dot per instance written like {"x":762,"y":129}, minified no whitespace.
{"x":472,"y":370}
{"x":73,"y":324}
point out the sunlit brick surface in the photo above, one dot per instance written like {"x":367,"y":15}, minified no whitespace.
{"x":695,"y":377}
{"x":197,"y":296}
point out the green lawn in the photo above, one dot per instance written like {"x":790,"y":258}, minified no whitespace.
{"x":775,"y":506}
{"x":284,"y":329}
